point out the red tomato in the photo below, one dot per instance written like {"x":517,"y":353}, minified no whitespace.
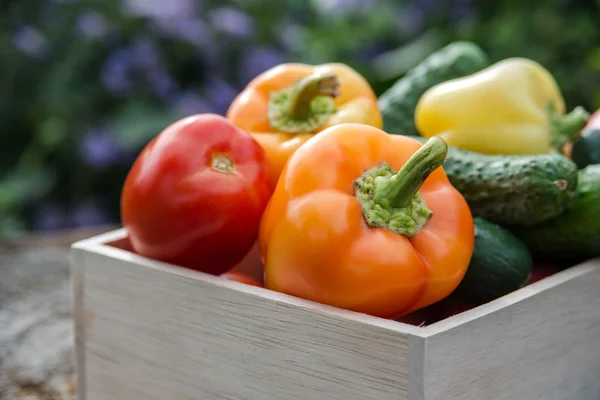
{"x":251,"y":265}
{"x":541,"y":271}
{"x":594,"y":121}
{"x":239,"y":277}
{"x":195,"y":195}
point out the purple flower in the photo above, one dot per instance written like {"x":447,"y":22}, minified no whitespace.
{"x":411,"y":19}
{"x":257,"y":60}
{"x":163,"y":84}
{"x":147,"y":57}
{"x":292,"y":36}
{"x":92,"y":25}
{"x":145,"y":54}
{"x":332,"y":8}
{"x":30,"y":41}
{"x":50,"y":217}
{"x":116,"y":72}
{"x":90,"y":213}
{"x":221,"y":94}
{"x":99,"y":149}
{"x":427,"y":6}
{"x":159,"y":9}
{"x":189,"y":103}
{"x":190,"y":30}
{"x":232,"y":21}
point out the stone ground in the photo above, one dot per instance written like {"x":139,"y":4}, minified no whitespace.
{"x":36,"y":336}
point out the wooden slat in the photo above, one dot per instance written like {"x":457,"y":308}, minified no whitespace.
{"x":155,"y":332}
{"x":542,"y":342}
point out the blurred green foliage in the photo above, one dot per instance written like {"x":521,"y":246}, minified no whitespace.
{"x":85,"y":84}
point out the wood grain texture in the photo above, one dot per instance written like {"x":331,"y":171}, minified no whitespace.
{"x":158,"y":332}
{"x":416,"y":363}
{"x":147,"y":330}
{"x":541,"y":342}
{"x":78,"y":309}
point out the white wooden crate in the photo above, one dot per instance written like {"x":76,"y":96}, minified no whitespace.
{"x":148,"y":330}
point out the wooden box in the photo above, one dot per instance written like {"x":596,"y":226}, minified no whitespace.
{"x":148,"y":330}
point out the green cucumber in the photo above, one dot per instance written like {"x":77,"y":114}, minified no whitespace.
{"x":501,"y":264}
{"x":574,"y":234}
{"x":513,"y":189}
{"x":398,"y":103}
{"x":586,"y":149}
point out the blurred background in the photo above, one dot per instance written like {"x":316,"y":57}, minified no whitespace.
{"x":84,"y":84}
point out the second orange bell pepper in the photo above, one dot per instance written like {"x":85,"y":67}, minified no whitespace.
{"x":289,"y":103}
{"x":345,"y":229}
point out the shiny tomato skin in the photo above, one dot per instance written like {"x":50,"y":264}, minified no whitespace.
{"x":240,"y":277}
{"x":594,"y":121}
{"x":179,"y":207}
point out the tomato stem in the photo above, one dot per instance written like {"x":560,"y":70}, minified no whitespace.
{"x":222,"y":163}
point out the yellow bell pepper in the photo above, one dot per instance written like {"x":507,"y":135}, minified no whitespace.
{"x":512,"y":107}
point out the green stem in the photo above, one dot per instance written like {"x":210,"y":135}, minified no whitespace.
{"x":565,"y":128}
{"x":305,"y":106}
{"x":391,"y":200}
{"x":305,"y":91}
{"x":402,"y":187}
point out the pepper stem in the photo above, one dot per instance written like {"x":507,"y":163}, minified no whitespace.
{"x":391,"y":200}
{"x":403,"y":186}
{"x":566,"y":128}
{"x":304,"y":92}
{"x":305,"y":106}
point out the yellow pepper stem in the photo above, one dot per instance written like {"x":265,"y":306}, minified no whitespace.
{"x":391,"y":200}
{"x":305,"y":106}
{"x":565,"y":128}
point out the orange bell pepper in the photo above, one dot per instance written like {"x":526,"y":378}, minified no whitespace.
{"x":344,"y":229}
{"x":288,"y":104}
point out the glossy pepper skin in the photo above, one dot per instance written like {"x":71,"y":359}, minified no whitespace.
{"x":195,"y":195}
{"x":512,"y":107}
{"x":288,"y":104}
{"x":343,"y":230}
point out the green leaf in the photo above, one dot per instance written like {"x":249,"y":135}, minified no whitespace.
{"x":397,"y":62}
{"x":594,"y":59}
{"x":22,"y":186}
{"x":10,"y":226}
{"x":139,"y":122}
{"x":53,"y":133}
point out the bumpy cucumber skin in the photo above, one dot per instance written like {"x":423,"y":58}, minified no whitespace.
{"x":574,"y":234}
{"x":501,"y":264}
{"x":513,"y":190}
{"x":398,"y":103}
